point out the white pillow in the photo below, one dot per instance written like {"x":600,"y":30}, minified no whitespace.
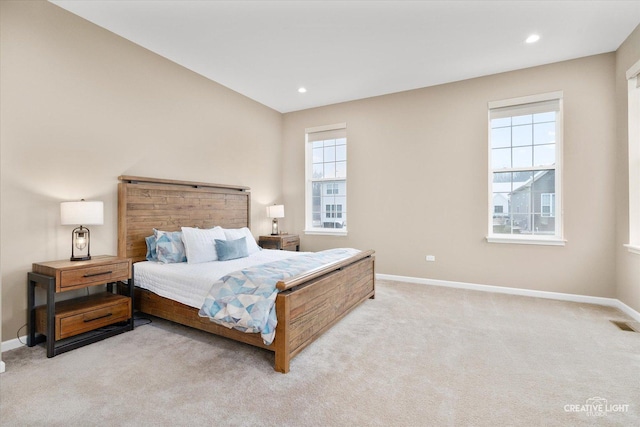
{"x":239,"y":233}
{"x":200,"y":244}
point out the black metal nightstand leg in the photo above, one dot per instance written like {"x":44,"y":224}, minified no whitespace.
{"x":131,"y":295}
{"x":51,"y":319}
{"x":31,"y":320}
{"x":49,"y":284}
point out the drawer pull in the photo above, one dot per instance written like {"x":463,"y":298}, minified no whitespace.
{"x":96,"y":318}
{"x":97,"y":274}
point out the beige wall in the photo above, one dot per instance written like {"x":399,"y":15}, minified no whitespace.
{"x":628,"y":264}
{"x":81,"y":106}
{"x":417,"y":180}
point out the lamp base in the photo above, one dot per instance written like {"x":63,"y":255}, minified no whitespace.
{"x":80,"y":239}
{"x":274,"y":227}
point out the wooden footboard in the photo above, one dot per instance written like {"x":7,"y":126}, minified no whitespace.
{"x":311,"y":307}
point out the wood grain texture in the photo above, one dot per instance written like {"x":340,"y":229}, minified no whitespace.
{"x":320,"y":271}
{"x":146,"y":204}
{"x":155,"y":305}
{"x":286,"y":242}
{"x":323,"y":301}
{"x":78,"y":315}
{"x":99,"y":269}
{"x":139,"y":179}
{"x":307,"y":305}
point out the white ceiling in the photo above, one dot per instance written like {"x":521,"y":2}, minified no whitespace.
{"x":346,"y":50}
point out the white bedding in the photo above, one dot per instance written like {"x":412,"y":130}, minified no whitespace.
{"x":190,"y":283}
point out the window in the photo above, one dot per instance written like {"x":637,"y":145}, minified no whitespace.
{"x":548,"y":204}
{"x":326,"y":180}
{"x":332,"y":189}
{"x":633,"y":86}
{"x":525,"y":150}
{"x":334,"y":211}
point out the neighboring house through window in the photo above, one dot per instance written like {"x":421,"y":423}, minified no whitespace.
{"x":525,"y":151}
{"x":326,"y":179}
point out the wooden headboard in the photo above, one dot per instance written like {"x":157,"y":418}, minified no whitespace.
{"x":148,"y":203}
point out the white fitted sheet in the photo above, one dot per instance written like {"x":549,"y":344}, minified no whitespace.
{"x":190,"y":283}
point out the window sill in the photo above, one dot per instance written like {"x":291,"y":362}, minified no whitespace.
{"x":547,"y":241}
{"x":634,"y":249}
{"x":327,"y":232}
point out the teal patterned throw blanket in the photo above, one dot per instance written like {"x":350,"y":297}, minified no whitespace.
{"x":245,"y":299}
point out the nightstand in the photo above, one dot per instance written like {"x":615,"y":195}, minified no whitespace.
{"x":75,"y":322}
{"x":285,"y":242}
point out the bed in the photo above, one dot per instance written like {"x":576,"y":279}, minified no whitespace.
{"x":307,"y":304}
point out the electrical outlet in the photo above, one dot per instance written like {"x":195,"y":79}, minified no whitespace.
{"x":431,"y":258}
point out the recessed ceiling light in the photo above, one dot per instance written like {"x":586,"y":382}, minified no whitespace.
{"x":532,"y":38}
{"x":302,"y":90}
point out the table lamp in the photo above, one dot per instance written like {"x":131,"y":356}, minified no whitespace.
{"x":81,"y":213}
{"x":275,"y":212}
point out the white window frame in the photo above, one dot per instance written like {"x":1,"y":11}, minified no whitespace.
{"x":309,"y":228}
{"x":558,"y":238}
{"x":633,"y":89}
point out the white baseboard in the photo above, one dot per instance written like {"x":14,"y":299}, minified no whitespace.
{"x":609,"y":302}
{"x":10,"y":345}
{"x":628,"y":310}
{"x":14,"y":343}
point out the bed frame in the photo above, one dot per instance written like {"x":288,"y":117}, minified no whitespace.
{"x":306,"y":306}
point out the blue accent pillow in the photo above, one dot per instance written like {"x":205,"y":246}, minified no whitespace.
{"x":152,"y":254}
{"x":169,"y":246}
{"x":231,"y":249}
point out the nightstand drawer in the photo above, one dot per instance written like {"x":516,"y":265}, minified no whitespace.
{"x":290,"y":242}
{"x":84,"y":314}
{"x":285,"y":242}
{"x":81,"y":277}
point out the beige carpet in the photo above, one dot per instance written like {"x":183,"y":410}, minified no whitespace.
{"x":415,"y":356}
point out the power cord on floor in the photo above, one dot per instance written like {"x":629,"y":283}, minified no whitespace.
{"x":18,"y":334}
{"x":140,"y":321}
{"x":137,"y":322}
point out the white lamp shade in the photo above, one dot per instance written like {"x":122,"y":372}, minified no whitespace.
{"x":81,"y":213}
{"x":275,"y":211}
